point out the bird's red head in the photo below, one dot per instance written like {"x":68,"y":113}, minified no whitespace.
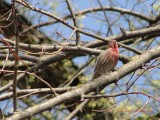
{"x":113,"y":44}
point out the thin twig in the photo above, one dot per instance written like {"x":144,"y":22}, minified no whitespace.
{"x":106,"y":110}
{"x":141,"y":108}
{"x":79,"y":108}
{"x":74,"y":21}
{"x":105,"y":15}
{"x":116,"y":95}
{"x":75,"y":75}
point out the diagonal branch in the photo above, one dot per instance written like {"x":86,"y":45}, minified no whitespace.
{"x":100,"y":82}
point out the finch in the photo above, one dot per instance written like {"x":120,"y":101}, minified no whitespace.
{"x":107,"y":60}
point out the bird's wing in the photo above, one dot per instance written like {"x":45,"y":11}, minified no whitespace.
{"x":101,"y":59}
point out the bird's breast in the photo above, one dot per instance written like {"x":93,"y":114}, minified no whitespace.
{"x":113,"y":56}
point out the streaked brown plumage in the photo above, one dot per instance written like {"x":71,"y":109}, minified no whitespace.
{"x":107,"y":60}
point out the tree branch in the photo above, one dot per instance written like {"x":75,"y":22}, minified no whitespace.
{"x":100,"y":82}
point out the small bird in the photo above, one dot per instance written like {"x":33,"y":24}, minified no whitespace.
{"x":107,"y":60}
